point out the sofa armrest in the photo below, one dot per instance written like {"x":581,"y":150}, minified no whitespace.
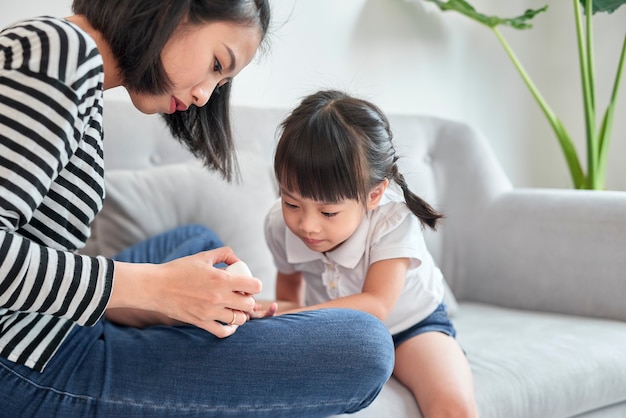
{"x":550,"y":250}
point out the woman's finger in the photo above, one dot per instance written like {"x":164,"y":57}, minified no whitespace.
{"x":238,"y":317}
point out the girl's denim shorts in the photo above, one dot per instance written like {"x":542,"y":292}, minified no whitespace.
{"x":436,"y":321}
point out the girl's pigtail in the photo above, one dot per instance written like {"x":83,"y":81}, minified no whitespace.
{"x":427,"y":215}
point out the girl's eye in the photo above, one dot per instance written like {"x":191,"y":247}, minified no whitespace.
{"x":329,"y":214}
{"x":290,"y":206}
{"x":217,"y":66}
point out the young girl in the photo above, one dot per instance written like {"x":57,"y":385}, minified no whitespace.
{"x":344,"y":236}
{"x":75,"y":339}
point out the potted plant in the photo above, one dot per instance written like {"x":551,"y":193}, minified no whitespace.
{"x":597,"y":137}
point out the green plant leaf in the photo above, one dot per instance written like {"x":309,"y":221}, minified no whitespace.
{"x":466,"y":9}
{"x":608,"y":6}
{"x":597,"y":142}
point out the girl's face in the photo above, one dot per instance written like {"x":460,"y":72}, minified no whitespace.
{"x":324,"y":226}
{"x":197,"y":59}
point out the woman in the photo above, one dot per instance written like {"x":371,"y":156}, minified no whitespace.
{"x":59,"y":354}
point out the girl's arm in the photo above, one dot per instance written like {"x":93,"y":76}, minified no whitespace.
{"x":383,"y":284}
{"x":289,"y":291}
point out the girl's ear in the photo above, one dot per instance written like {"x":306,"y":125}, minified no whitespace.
{"x":377,"y":192}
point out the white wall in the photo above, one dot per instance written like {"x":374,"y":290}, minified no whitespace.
{"x":409,"y":58}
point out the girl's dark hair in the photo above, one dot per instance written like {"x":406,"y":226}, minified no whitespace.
{"x":334,"y":147}
{"x":137,"y":31}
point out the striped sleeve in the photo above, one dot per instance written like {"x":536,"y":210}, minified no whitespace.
{"x":51,"y":186}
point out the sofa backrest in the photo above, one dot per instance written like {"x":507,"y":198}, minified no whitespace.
{"x":447,"y":163}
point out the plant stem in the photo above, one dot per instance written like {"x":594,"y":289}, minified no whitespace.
{"x":607,"y":121}
{"x":567,"y":146}
{"x":590,"y":54}
{"x":585,"y":55}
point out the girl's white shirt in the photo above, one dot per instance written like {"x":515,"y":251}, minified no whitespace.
{"x":389,"y":231}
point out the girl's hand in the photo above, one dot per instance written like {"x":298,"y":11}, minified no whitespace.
{"x":188,"y":290}
{"x":259,"y":312}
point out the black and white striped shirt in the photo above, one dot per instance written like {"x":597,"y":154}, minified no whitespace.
{"x":51,"y":187}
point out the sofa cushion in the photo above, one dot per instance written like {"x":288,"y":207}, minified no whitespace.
{"x":540,"y":364}
{"x":143,"y":203}
{"x":530,"y":364}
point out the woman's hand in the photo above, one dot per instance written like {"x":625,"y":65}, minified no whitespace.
{"x":189,"y":290}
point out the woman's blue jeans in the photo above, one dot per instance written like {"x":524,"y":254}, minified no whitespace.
{"x":312,"y":364}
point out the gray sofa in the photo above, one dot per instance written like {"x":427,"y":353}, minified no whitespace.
{"x":539,"y":275}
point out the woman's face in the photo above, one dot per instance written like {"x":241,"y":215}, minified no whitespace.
{"x":197,"y":59}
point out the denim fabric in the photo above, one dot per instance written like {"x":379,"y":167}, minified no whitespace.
{"x":312,"y":364}
{"x":436,"y":321}
{"x":170,"y":245}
